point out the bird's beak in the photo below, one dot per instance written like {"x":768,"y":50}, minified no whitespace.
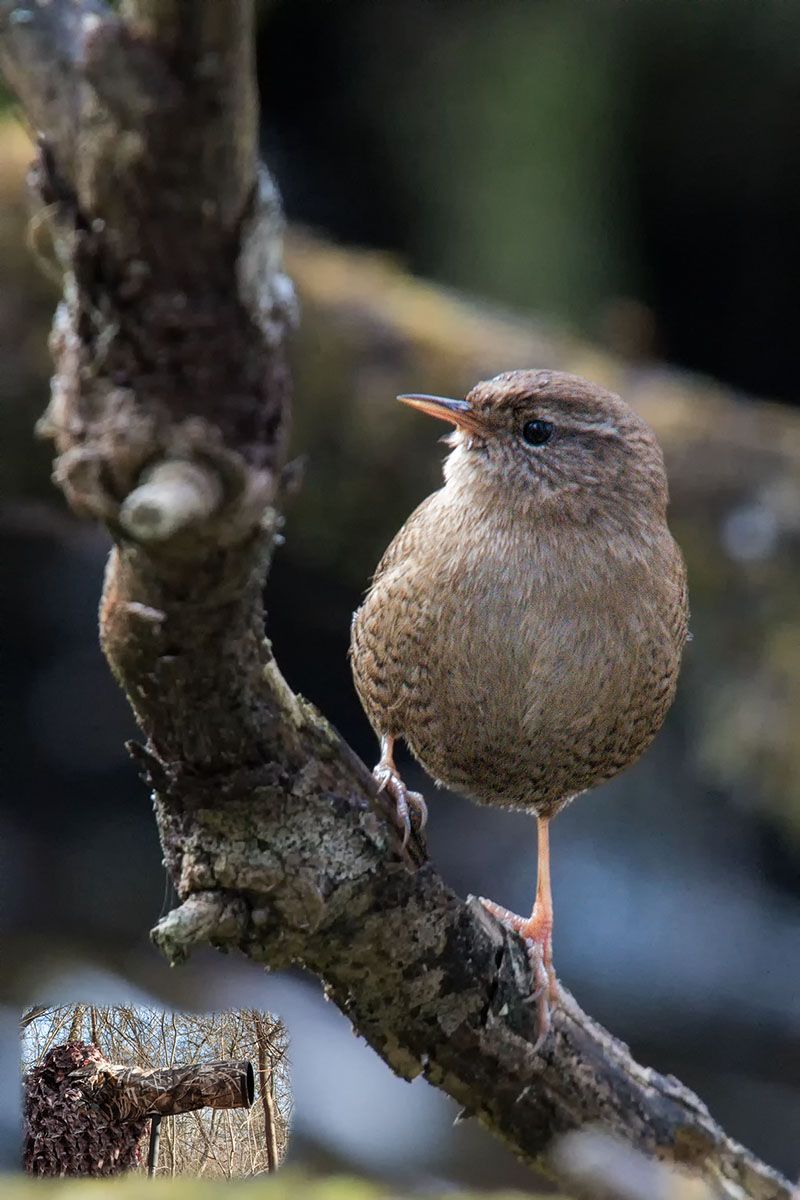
{"x":460,"y":412}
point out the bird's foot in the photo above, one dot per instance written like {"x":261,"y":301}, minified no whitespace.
{"x":537,"y":935}
{"x":406,"y":802}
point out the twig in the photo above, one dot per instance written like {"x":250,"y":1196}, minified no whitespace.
{"x":169,"y":346}
{"x":32,"y":1014}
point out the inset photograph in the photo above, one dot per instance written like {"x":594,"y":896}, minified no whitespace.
{"x":111,"y":1090}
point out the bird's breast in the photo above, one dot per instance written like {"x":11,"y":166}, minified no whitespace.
{"x":515,"y":664}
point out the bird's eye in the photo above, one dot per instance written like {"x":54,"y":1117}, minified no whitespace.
{"x":536,"y":433}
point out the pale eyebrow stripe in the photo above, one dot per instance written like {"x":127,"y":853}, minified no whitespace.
{"x":584,"y":424}
{"x":603,"y":426}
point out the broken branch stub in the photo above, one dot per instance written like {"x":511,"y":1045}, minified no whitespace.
{"x":171,"y":497}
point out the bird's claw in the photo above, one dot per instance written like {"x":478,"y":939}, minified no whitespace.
{"x":545,"y":990}
{"x":541,"y":980}
{"x":540,"y":993}
{"x":405,"y":801}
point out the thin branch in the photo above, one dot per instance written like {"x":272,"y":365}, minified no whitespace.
{"x":267,"y":1097}
{"x":32,"y":1014}
{"x":169,"y":347}
{"x":76,"y":1027}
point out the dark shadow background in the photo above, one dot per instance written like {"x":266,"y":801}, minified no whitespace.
{"x":630,"y":173}
{"x":561,"y":157}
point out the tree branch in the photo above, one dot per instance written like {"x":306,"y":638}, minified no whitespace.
{"x":171,"y":390}
{"x":32,"y":1014}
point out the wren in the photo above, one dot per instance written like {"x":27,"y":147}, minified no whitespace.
{"x":523,"y":631}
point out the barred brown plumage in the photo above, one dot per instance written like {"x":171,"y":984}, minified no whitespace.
{"x":523,"y":631}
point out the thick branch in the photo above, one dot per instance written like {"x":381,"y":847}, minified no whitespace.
{"x":169,"y":348}
{"x":169,"y":341}
{"x":210,"y":49}
{"x":277,"y":849}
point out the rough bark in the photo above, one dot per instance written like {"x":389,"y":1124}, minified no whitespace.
{"x":76,"y":1023}
{"x":169,"y":352}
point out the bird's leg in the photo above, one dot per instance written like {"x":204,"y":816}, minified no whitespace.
{"x":537,"y":930}
{"x":405,"y":801}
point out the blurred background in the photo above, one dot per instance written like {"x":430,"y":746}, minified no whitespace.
{"x":474,"y":186}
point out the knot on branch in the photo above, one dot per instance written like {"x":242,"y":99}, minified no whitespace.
{"x":211,"y":918}
{"x":133,"y":464}
{"x":169,"y":341}
{"x":179,"y":483}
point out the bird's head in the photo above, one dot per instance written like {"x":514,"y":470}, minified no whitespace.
{"x":552,"y":438}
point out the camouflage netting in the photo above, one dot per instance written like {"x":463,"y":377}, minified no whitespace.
{"x":64,"y":1133}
